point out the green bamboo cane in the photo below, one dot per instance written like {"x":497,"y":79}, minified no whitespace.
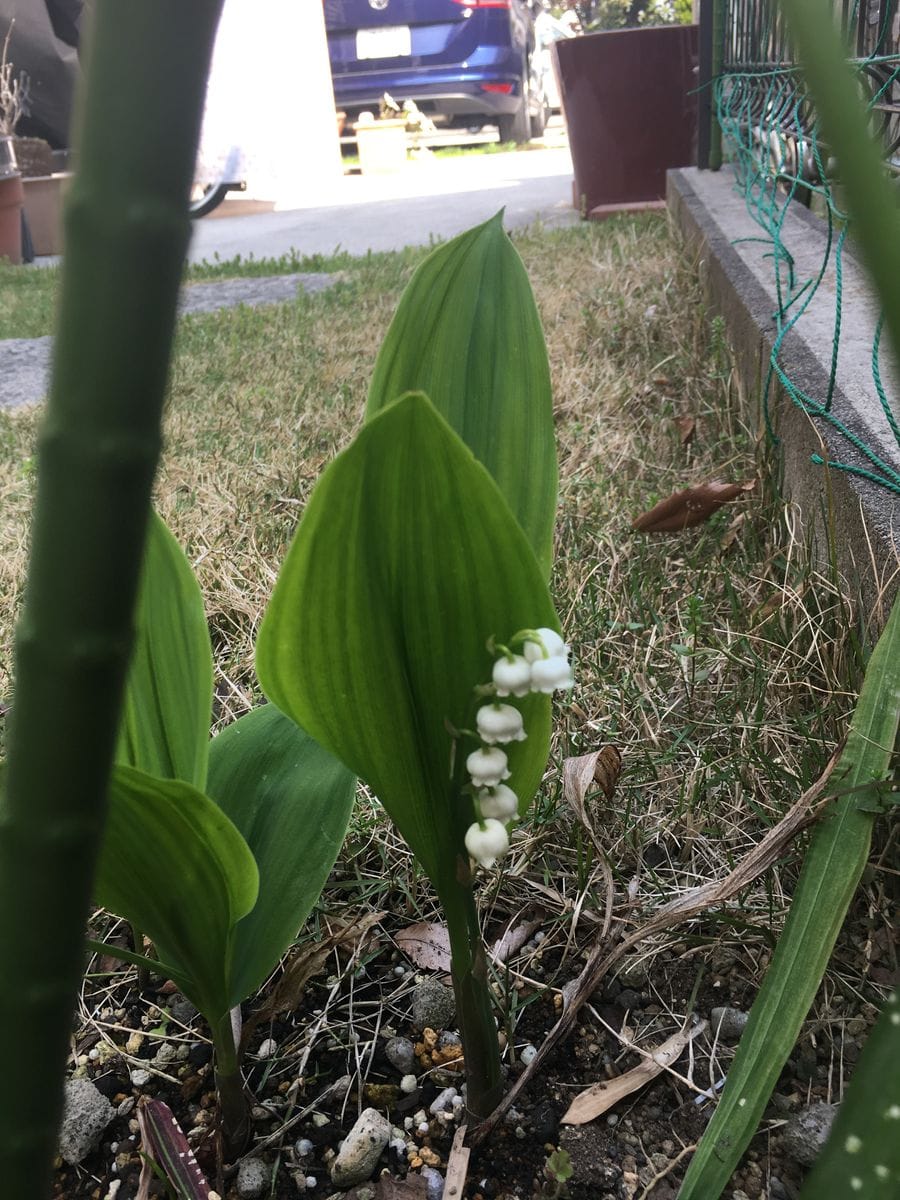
{"x":126,"y":235}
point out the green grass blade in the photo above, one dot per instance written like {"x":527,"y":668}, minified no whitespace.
{"x":127,"y":230}
{"x":406,"y":561}
{"x":862,"y":1154}
{"x":831,"y":871}
{"x":176,"y":866}
{"x":468,"y":334}
{"x":291,"y":800}
{"x":168,"y":698}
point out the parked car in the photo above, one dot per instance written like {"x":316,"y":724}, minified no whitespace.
{"x":550,"y":30}
{"x":464,"y":62}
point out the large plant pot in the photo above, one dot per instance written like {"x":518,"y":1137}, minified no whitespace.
{"x":12,"y":199}
{"x":631,"y":113}
{"x":43,"y":210}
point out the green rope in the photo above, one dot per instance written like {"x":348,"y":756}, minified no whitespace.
{"x":771,"y":135}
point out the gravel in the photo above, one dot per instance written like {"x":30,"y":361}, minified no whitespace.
{"x":86,"y":1114}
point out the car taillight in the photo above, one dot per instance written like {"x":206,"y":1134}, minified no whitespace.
{"x":505,"y":88}
{"x":484,"y":3}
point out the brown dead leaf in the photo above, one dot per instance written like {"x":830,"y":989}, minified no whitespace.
{"x":413,"y":1187}
{"x":689,"y":507}
{"x":305,"y":962}
{"x":513,"y":940}
{"x":427,"y":943}
{"x":687,"y":427}
{"x":602,"y":767}
{"x":603,"y":1096}
{"x":729,"y":537}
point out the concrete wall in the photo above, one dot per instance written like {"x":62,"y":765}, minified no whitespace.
{"x":847,"y":519}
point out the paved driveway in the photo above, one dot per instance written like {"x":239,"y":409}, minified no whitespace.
{"x":437,"y":198}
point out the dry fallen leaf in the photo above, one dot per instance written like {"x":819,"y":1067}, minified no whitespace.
{"x":513,"y":940}
{"x":729,"y":537}
{"x":691,"y":506}
{"x":457,"y":1166}
{"x":602,"y":1096}
{"x":580,"y":774}
{"x":427,"y":944}
{"x":687,"y":427}
{"x":302,"y":964}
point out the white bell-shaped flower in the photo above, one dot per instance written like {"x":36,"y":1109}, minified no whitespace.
{"x":487,"y":767}
{"x":500,"y":723}
{"x":500,"y":802}
{"x":550,"y":674}
{"x":512,"y":676}
{"x":551,"y":645}
{"x":487,"y":841}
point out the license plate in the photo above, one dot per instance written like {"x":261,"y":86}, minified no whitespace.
{"x":390,"y":41}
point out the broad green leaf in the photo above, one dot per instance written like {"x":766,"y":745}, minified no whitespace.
{"x":467,"y":333}
{"x":174,"y":865}
{"x":407,"y":560}
{"x":168,"y":698}
{"x":831,"y":872}
{"x":862,"y":1154}
{"x":291,"y":800}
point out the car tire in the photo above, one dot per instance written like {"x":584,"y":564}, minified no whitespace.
{"x":516,"y":126}
{"x":204,"y":200}
{"x":539,"y":119}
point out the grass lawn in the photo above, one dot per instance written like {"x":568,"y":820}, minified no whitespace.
{"x":718,"y":661}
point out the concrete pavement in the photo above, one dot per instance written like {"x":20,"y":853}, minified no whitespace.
{"x":431,"y":199}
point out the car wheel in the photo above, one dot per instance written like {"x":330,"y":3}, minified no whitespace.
{"x":205,"y":197}
{"x":516,"y":126}
{"x":539,"y":119}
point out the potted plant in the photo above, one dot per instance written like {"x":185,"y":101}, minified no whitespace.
{"x":13,"y":98}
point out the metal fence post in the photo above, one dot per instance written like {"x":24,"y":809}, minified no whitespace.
{"x":712,"y":38}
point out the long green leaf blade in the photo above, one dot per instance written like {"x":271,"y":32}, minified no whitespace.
{"x":168,"y":697}
{"x":406,"y":561}
{"x":291,"y":800}
{"x":173,"y":864}
{"x":831,"y":871}
{"x":862,"y":1154}
{"x":467,"y":333}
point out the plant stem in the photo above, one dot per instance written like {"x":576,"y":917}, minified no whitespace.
{"x":474,"y":1009}
{"x":126,"y":234}
{"x":234,"y":1111}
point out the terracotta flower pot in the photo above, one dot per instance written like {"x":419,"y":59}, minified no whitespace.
{"x":12,"y":200}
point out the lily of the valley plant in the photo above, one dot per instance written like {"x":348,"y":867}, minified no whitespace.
{"x":411,"y":631}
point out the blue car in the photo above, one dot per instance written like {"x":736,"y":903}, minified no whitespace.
{"x":465,"y":64}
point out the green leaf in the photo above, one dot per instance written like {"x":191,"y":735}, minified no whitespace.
{"x":406,"y":561}
{"x":291,"y":800}
{"x":168,"y":699}
{"x":467,"y":333}
{"x":834,"y":862}
{"x":862,"y":1154}
{"x":173,"y":864}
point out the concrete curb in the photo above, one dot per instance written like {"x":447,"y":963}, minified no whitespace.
{"x":847,"y":519}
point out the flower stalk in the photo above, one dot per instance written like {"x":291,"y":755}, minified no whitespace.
{"x":127,"y":230}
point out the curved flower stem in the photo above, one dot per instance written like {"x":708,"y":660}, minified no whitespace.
{"x":474,"y":1008}
{"x":127,"y":230}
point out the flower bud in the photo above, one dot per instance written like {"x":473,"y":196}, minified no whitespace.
{"x":487,"y":841}
{"x":500,"y":723}
{"x":548,"y":674}
{"x":487,"y":767}
{"x":550,"y":645}
{"x":500,"y":802}
{"x":512,"y":676}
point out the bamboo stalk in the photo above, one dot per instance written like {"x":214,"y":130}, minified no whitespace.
{"x":126,"y":234}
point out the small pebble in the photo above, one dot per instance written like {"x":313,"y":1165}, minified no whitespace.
{"x":342,"y":1086}
{"x":612,"y":1119}
{"x":139,"y":1077}
{"x":527,"y":1054}
{"x":423,"y":1127}
{"x":252,"y":1177}
{"x":398,"y":1145}
{"x":408,"y":1084}
{"x":520,"y":1133}
{"x":267,"y":1048}
{"x":408,"y":1123}
{"x":311,"y":1182}
{"x":320,"y":1120}
{"x":303,"y":1147}
{"x":399,"y":972}
{"x":443,"y":1101}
